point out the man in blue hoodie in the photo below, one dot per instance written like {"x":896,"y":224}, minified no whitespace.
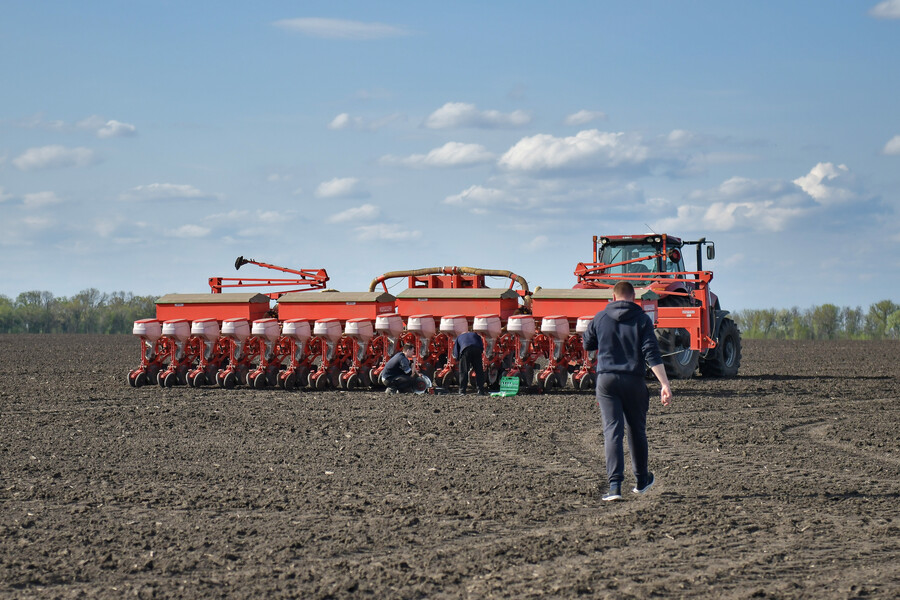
{"x":624,"y":339}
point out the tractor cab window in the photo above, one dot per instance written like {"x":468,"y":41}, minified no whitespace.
{"x":642,"y":252}
{"x":675,"y":266}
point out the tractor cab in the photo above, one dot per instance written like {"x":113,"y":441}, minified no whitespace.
{"x":640,"y":259}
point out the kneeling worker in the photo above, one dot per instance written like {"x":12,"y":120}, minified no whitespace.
{"x":399,"y":375}
{"x":468,"y":350}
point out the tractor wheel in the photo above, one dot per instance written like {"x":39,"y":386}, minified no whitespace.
{"x":675,"y":345}
{"x":725,"y":359}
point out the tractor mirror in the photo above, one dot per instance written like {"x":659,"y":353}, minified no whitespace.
{"x":710,"y":252}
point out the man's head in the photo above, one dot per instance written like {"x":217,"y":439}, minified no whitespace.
{"x":623,"y":291}
{"x":409,"y":350}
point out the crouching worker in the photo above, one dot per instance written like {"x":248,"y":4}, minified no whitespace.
{"x":399,"y":375}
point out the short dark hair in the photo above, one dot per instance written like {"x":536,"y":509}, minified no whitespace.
{"x":624,"y":290}
{"x":408,"y":347}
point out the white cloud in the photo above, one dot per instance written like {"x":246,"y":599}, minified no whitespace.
{"x":827,"y":183}
{"x":540,"y":242}
{"x":889,"y":9}
{"x":40,"y":199}
{"x":346,"y":121}
{"x":341,"y":187}
{"x":461,"y":114}
{"x":451,"y":154}
{"x":104,"y":128}
{"x":166,"y":191}
{"x":358,"y":213}
{"x":276,"y":177}
{"x":189,"y":231}
{"x":386,"y":232}
{"x":728,"y":216}
{"x":53,"y":157}
{"x":893,"y":146}
{"x":340,"y":29}
{"x":114,"y":128}
{"x":587,"y":149}
{"x":342,"y":121}
{"x":477,"y":195}
{"x":583,"y":117}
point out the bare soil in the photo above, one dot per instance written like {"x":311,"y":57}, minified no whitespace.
{"x":781,"y":483}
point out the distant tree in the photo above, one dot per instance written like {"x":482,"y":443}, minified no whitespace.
{"x":825,"y":321}
{"x":892,"y":328}
{"x":852,"y":320}
{"x":877,"y":317}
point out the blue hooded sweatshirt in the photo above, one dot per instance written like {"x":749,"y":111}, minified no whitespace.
{"x":623,"y":336}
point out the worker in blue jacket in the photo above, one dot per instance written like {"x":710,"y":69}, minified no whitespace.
{"x":623,"y":336}
{"x":399,"y":374}
{"x":469,"y":350}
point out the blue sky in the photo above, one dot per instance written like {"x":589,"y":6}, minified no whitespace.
{"x":144,"y":145}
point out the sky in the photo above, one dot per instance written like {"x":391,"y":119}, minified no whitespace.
{"x":144,"y":145}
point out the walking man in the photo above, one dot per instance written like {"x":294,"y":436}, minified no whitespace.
{"x":399,"y":375}
{"x":623,"y":337}
{"x":468,"y":350}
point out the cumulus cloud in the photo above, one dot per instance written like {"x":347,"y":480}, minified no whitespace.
{"x":587,"y":149}
{"x":189,"y":231}
{"x":104,"y":128}
{"x":40,"y":199}
{"x":340,"y":29}
{"x":893,"y":146}
{"x":451,"y":154}
{"x":346,"y":121}
{"x":828,"y":184}
{"x":583,"y":117}
{"x":479,"y":196}
{"x":166,"y":191}
{"x":728,"y":216}
{"x":771,"y":205}
{"x":889,"y":9}
{"x":537,"y":243}
{"x":461,"y":114}
{"x":358,"y":213}
{"x":54,"y":157}
{"x":387,"y":233}
{"x":341,"y":187}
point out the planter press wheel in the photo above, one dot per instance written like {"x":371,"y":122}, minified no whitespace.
{"x":197,"y":380}
{"x":352,"y":382}
{"x":259,"y":382}
{"x":169,"y":380}
{"x":229,"y":381}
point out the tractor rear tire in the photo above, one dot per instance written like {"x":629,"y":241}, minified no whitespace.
{"x":725,"y":359}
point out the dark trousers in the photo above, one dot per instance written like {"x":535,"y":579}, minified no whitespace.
{"x":403,"y":383}
{"x":470,"y":358}
{"x":624,"y":401}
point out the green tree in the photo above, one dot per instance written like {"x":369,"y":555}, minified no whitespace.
{"x":825,"y":321}
{"x":877,"y":317}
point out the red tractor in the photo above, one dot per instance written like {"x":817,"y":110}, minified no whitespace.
{"x":692,"y":329}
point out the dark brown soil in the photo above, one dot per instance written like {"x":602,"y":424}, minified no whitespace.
{"x":781,"y":483}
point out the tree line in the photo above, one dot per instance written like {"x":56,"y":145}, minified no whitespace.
{"x":91,"y":311}
{"x":88,"y":311}
{"x":823,"y":322}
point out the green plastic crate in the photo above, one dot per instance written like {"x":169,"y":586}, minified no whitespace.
{"x":509,"y":386}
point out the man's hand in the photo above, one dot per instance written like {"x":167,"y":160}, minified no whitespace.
{"x":665,"y":394}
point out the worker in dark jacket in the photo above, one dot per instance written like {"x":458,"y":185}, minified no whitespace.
{"x":468,"y":350}
{"x":624,"y":339}
{"x":399,"y":375}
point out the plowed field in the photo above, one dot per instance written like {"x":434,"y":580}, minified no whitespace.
{"x":781,"y":483}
